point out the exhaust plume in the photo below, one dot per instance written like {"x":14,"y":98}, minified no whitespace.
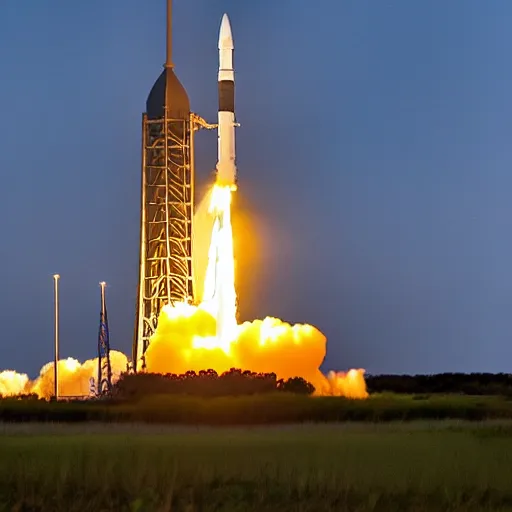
{"x":207,"y":336}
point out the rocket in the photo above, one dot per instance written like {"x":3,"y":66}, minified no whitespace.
{"x":226,"y":168}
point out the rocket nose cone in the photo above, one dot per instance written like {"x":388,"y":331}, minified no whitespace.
{"x":225,"y":36}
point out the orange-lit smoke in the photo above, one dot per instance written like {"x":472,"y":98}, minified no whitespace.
{"x":207,"y":336}
{"x":12,"y":383}
{"x":74,"y":378}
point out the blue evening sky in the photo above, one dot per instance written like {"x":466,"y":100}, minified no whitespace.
{"x":374,"y":159}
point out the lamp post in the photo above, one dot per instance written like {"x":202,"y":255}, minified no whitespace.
{"x":56,"y":278}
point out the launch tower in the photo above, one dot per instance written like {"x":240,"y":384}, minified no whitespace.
{"x":167,"y":201}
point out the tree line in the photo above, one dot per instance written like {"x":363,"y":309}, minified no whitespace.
{"x":444,"y":383}
{"x":207,"y":383}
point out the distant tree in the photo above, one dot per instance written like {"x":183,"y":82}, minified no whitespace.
{"x":460,"y":383}
{"x":297,"y":385}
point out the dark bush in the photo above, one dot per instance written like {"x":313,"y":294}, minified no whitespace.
{"x":207,"y":383}
{"x":296,"y":385}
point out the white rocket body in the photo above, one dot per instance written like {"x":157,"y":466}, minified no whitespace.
{"x":226,"y":167}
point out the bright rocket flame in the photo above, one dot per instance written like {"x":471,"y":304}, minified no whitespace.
{"x":219,"y":295}
{"x":207,"y":336}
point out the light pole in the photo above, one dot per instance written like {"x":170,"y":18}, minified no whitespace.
{"x":56,"y":278}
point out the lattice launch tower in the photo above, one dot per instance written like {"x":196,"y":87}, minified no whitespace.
{"x":167,"y":196}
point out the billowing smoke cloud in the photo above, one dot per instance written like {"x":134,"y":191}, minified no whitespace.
{"x":186,"y":340}
{"x":74,"y":378}
{"x":12,"y":383}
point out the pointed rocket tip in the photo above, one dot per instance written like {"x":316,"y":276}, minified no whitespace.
{"x":225,"y":35}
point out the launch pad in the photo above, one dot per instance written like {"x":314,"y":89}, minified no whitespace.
{"x":180,"y":328}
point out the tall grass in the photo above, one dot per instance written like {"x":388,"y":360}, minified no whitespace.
{"x":261,"y":409}
{"x":357,"y":467}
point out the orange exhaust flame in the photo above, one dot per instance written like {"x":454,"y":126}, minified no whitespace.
{"x":207,"y":336}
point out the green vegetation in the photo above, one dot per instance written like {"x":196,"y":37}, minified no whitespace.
{"x":462,"y":383}
{"x":207,"y":383}
{"x":423,"y":467}
{"x":277,"y":408}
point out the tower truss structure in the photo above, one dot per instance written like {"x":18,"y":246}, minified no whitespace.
{"x":167,"y":202}
{"x":166,"y":225}
{"x":166,"y":267}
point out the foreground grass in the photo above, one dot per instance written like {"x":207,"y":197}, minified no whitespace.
{"x":261,"y":409}
{"x":439,"y":466}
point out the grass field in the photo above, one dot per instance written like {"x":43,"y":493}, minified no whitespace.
{"x":420,"y":466}
{"x":261,"y":409}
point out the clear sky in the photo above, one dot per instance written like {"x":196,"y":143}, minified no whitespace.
{"x":374,"y":158}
